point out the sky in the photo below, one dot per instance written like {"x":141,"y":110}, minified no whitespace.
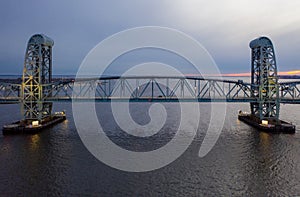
{"x":223,"y":27}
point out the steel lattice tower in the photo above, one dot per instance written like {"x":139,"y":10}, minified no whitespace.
{"x":37,"y":75}
{"x":264,"y":80}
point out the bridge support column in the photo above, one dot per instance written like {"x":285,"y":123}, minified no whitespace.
{"x":37,"y":73}
{"x":264,"y":80}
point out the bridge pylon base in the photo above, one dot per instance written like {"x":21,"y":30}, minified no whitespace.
{"x":279,"y":126}
{"x":33,"y":126}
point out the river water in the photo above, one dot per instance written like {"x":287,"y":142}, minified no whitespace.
{"x":244,"y":161}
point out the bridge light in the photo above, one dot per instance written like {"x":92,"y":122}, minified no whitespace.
{"x":35,"y":123}
{"x":264,"y":122}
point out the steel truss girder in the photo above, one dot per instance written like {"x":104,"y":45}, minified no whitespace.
{"x":9,"y":92}
{"x":152,"y":88}
{"x":106,"y":88}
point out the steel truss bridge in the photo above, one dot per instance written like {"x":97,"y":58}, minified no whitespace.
{"x":151,"y":88}
{"x":38,"y":89}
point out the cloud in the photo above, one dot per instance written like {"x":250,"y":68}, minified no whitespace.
{"x":235,"y":18}
{"x":224,"y":27}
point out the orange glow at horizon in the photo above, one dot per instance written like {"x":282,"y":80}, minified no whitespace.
{"x":237,"y":75}
{"x":292,"y":72}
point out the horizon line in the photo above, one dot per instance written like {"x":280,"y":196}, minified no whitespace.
{"x":244,"y":74}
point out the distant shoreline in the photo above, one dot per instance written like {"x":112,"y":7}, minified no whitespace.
{"x":15,"y":77}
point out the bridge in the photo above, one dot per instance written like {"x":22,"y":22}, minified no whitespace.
{"x":185,"y":89}
{"x":38,"y":90}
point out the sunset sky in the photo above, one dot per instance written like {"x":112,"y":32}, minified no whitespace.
{"x":224,"y":28}
{"x":292,"y":72}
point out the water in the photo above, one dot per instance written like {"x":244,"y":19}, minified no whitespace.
{"x":244,"y":162}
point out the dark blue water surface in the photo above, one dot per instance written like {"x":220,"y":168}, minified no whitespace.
{"x":244,"y":162}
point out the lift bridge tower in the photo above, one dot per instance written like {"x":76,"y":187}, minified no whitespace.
{"x":264,"y":80}
{"x":37,"y":75}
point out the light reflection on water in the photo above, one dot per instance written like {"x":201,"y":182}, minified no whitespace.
{"x":244,"y":162}
{"x":35,"y":140}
